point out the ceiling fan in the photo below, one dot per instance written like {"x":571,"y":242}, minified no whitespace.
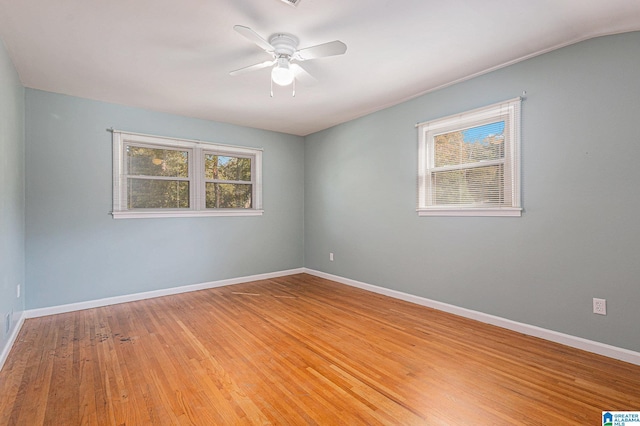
{"x":283,"y":49}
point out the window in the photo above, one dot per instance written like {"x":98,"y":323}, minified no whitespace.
{"x":161,"y":177}
{"x":228,"y":181}
{"x":469,"y":164}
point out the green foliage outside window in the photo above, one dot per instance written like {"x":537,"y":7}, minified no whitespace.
{"x":150,"y":189}
{"x":228,"y":183}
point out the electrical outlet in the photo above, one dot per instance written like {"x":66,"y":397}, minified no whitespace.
{"x":18,"y":291}
{"x":331,"y":257}
{"x":600,"y":306}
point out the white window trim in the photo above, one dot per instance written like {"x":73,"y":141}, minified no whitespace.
{"x":196,"y":150}
{"x":427,"y":131}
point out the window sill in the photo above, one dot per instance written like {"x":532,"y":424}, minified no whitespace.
{"x":481,"y":211}
{"x":148,"y":214}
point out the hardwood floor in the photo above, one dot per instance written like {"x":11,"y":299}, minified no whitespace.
{"x":298,"y":350}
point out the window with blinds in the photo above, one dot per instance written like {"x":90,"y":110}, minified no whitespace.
{"x":161,"y":177}
{"x":469,"y":163}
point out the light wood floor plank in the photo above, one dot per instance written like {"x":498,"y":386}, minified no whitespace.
{"x":298,"y":350}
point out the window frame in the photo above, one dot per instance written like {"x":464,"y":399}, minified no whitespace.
{"x":508,"y":111}
{"x":196,"y":157}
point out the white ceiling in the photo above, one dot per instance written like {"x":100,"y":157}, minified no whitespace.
{"x":175,"y":55}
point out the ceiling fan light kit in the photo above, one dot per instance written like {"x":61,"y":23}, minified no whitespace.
{"x":282,"y":74}
{"x":284,"y":49}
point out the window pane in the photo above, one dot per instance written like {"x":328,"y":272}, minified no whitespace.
{"x":477,"y":186}
{"x":228,"y":196}
{"x":157,"y":162}
{"x":157,"y":194}
{"x":475,"y":144}
{"x":224,"y":167}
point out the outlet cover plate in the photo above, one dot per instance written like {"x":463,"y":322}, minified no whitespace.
{"x":600,"y":306}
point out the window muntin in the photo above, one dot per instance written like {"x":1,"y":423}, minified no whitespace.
{"x":469,"y":163}
{"x":160,"y":177}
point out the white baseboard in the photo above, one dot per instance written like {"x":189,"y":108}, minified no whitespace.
{"x":531,"y":330}
{"x":52,"y":310}
{"x":12,"y":339}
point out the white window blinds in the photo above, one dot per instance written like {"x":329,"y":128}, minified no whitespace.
{"x":469,"y":164}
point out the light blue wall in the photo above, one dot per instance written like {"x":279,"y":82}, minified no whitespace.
{"x":579,"y":236}
{"x":12,"y":226}
{"x":77,"y":252}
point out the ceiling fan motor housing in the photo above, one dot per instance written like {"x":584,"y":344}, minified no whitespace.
{"x":284,"y":44}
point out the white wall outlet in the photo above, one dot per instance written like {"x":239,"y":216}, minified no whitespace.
{"x":600,"y":306}
{"x":331,"y":257}
{"x":18,"y":291}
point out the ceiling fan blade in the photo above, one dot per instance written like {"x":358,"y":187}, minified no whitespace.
{"x":264,"y":64}
{"x":254,"y":37}
{"x":301,"y":74}
{"x":331,"y":48}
